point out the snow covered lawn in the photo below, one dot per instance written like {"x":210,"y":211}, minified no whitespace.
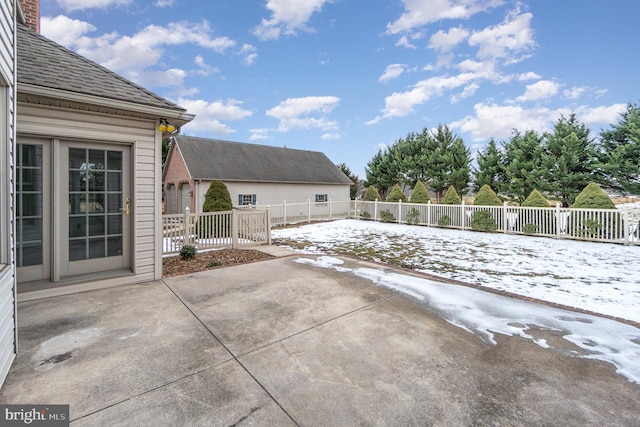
{"x":603,"y":278}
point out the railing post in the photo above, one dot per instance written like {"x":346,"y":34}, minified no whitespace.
{"x":309,"y":216}
{"x":355,"y":209}
{"x":399,"y":211}
{"x":268,"y":230}
{"x":375,"y":210}
{"x":284,"y":212}
{"x":625,"y":218}
{"x":428,"y":213}
{"x":234,"y":228}
{"x":187,"y":226}
{"x":558,"y":221}
{"x":329,"y":209}
{"x":504,"y":217}
{"x":463,"y":214}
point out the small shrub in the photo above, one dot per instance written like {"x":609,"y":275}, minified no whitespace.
{"x":487,"y":197}
{"x":371,"y":194}
{"x":420,"y":193}
{"x":413,"y":217}
{"x":451,"y":197}
{"x":365,"y":215}
{"x":187,"y":252}
{"x":387,"y":216}
{"x":592,"y":197}
{"x":217,"y":198}
{"x":444,"y":221}
{"x":530,"y":228}
{"x":597,"y":225}
{"x":214,"y":264}
{"x":396,"y":194}
{"x":483,"y":221}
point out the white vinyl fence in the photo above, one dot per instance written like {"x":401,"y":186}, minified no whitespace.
{"x":209,"y":230}
{"x":598,"y":225}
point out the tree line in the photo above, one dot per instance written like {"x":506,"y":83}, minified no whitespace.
{"x":559,"y":163}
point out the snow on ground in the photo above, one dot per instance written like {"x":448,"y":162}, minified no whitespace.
{"x":599,"y":277}
{"x":484,"y":313}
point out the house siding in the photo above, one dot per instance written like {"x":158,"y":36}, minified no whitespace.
{"x":146,"y":156}
{"x":8,"y":329}
{"x":276,"y":193}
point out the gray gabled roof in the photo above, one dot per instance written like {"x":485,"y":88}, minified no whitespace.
{"x":212,"y":159}
{"x":42,"y":62}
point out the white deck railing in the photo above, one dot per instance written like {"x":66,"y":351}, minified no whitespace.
{"x":209,"y":230}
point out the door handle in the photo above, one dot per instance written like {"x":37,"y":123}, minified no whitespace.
{"x":126,"y":208}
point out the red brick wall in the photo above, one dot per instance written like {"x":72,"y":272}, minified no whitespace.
{"x":177,"y":174}
{"x":31,"y":9}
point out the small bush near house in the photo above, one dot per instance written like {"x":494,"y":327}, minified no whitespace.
{"x":530,"y":228}
{"x":420,"y":193}
{"x":537,"y":200}
{"x":413,"y":217}
{"x":396,"y":194}
{"x":451,"y":197}
{"x":592,"y":197}
{"x":187,"y":252}
{"x":217,"y":198}
{"x":365,"y":215}
{"x":371,"y":194}
{"x":387,"y":216}
{"x":444,"y":221}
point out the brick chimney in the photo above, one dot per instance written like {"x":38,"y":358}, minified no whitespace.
{"x":31,"y":10}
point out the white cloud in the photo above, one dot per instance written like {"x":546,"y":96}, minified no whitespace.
{"x":72,"y":5}
{"x":601,"y":115}
{"x":393,"y":71}
{"x":259,"y":134}
{"x":287,"y":17}
{"x":528,"y":76}
{"x":404,"y":42}
{"x":165,"y":3}
{"x":64,"y":30}
{"x":575,"y":92}
{"x":513,"y":36}
{"x":328,"y":136}
{"x":467,"y":92}
{"x":540,"y":90}
{"x":445,"y":41}
{"x":204,"y":69}
{"x":498,"y":121}
{"x":294,"y":113}
{"x":210,"y":115}
{"x":249,"y":52}
{"x":420,"y":12}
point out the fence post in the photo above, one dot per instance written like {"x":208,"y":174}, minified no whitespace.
{"x":268,"y":230}
{"x":284,"y":212}
{"x":375,"y":210}
{"x":626,"y":224}
{"x":355,"y":209}
{"x":463,"y":214}
{"x":309,"y":216}
{"x":187,"y":225}
{"x":429,"y":213}
{"x":329,"y":209}
{"x":234,"y":229}
{"x":504,"y":217}
{"x":399,"y":211}
{"x":558,"y":221}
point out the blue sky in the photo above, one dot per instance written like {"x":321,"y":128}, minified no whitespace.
{"x":347,"y":77}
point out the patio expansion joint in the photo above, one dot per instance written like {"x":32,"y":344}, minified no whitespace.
{"x":233,"y":356}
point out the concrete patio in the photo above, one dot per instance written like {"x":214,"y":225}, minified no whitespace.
{"x":282,"y":343}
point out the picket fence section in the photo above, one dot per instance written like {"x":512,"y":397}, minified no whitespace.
{"x":209,"y":230}
{"x":598,"y":225}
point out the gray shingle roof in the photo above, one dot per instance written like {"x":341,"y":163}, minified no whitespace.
{"x":42,"y":62}
{"x":210,"y":159}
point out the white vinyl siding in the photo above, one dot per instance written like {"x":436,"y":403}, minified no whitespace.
{"x":8,"y":327}
{"x":146,"y":197}
{"x":275,"y":193}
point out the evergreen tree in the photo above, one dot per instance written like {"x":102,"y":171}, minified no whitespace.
{"x":217,"y":198}
{"x":524,"y":167}
{"x":396,"y":194}
{"x":448,"y":161}
{"x":592,"y":197}
{"x":451,"y":197}
{"x":490,"y":169}
{"x":382,"y":171}
{"x":618,"y":164}
{"x":371,"y":194}
{"x":353,"y":188}
{"x":569,"y":153}
{"x":420,"y":194}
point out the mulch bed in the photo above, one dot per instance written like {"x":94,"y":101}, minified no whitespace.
{"x":174,"y":266}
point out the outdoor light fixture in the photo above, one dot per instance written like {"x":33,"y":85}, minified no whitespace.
{"x":166,"y":127}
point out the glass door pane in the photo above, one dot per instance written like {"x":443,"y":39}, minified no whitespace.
{"x":29,"y":205}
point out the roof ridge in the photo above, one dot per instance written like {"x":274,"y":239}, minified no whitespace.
{"x":245,"y":143}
